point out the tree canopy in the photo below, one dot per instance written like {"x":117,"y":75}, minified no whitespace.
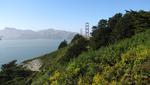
{"x":118,"y":27}
{"x":62,"y":44}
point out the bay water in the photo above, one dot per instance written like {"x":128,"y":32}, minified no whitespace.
{"x":21,"y":50}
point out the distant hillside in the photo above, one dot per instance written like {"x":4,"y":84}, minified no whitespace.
{"x":13,"y":33}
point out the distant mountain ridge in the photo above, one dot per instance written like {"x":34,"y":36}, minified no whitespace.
{"x":13,"y":33}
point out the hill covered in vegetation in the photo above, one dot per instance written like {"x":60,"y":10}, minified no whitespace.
{"x":118,"y":52}
{"x":125,"y":62}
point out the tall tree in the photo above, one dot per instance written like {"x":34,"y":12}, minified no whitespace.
{"x":62,"y":44}
{"x":100,"y":34}
{"x":103,"y":24}
{"x":76,"y":37}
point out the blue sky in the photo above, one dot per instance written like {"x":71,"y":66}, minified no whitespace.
{"x":69,"y":15}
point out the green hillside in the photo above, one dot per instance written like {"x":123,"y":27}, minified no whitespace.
{"x":116,"y":53}
{"x":130,"y":59}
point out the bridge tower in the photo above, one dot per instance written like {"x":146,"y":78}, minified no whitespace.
{"x":87,"y":32}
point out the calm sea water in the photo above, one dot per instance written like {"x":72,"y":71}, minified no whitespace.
{"x":21,"y":50}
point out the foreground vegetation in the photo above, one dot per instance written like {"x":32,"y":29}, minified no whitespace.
{"x":126,"y":62}
{"x":12,"y":74}
{"x":118,"y":52}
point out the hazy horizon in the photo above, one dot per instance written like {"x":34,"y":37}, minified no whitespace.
{"x":37,"y":29}
{"x":62,"y":15}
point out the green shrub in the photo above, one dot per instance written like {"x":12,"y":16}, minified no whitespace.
{"x":75,"y":49}
{"x":63,"y":44}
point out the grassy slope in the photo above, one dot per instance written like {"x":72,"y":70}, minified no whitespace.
{"x":125,"y":62}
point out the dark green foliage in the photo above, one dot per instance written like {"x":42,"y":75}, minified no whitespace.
{"x":131,"y":23}
{"x":102,"y":24}
{"x":119,"y":27}
{"x":76,"y":48}
{"x":63,"y":44}
{"x":76,"y":37}
{"x":114,"y":20}
{"x":100,"y":35}
{"x":112,"y":25}
{"x":94,"y":30}
{"x":11,"y":73}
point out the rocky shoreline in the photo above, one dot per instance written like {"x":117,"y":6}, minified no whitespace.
{"x":33,"y":65}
